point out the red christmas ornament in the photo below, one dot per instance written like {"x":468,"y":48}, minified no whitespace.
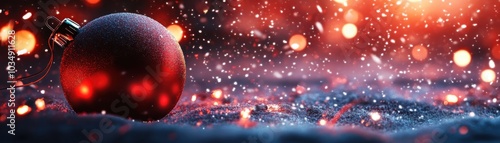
{"x":123,"y":64}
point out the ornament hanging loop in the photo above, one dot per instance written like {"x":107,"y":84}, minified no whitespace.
{"x":50,"y":25}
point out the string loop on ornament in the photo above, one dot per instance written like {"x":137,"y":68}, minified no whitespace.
{"x":47,"y":68}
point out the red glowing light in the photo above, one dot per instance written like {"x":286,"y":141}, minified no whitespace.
{"x":84,"y":92}
{"x":93,"y":1}
{"x":100,"y":80}
{"x":176,"y":88}
{"x":342,"y":110}
{"x":495,"y":52}
{"x":147,"y":85}
{"x":300,"y":89}
{"x":163,"y":101}
{"x":139,"y":90}
{"x":419,"y":53}
{"x":136,"y":90}
{"x":463,"y":130}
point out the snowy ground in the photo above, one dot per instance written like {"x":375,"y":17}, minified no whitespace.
{"x":337,"y":115}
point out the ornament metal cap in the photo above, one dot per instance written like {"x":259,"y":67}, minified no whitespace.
{"x":64,"y":32}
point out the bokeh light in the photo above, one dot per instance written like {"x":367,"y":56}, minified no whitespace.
{"x":99,"y":80}
{"x":40,"y":104}
{"x":322,"y":122}
{"x":93,"y":1}
{"x":176,"y":31}
{"x":4,"y":32}
{"x":298,"y":42}
{"x":217,"y":93}
{"x":419,"y":53}
{"x":193,"y":98}
{"x":488,"y":75}
{"x":245,"y":113}
{"x":344,"y":2}
{"x":450,"y":98}
{"x":463,"y":130}
{"x":300,"y":89}
{"x":375,"y":116}
{"x":23,"y":109}
{"x":351,"y":16}
{"x":27,"y":15}
{"x":349,"y":30}
{"x":462,"y":58}
{"x":84,"y":92}
{"x":164,"y":100}
{"x":25,"y":42}
{"x":495,"y":52}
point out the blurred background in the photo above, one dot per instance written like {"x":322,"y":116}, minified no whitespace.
{"x":441,"y":52}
